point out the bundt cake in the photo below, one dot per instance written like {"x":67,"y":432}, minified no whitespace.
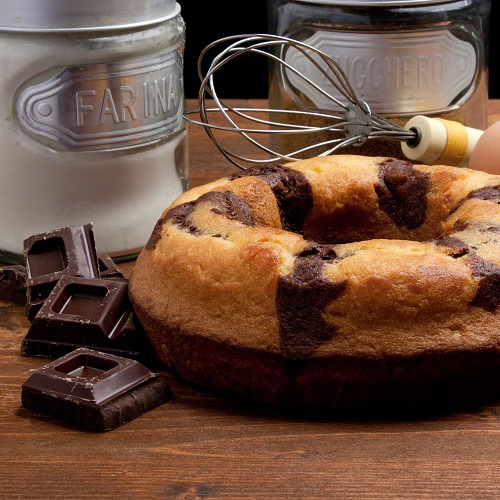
{"x":342,"y":282}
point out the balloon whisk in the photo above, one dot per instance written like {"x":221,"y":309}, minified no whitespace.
{"x":349,"y":122}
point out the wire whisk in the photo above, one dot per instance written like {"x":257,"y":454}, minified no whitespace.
{"x":350,"y":121}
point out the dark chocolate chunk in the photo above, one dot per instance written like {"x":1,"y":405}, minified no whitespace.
{"x":94,"y":389}
{"x":85,"y":312}
{"x":225,"y":203}
{"x":68,"y":251}
{"x":291,"y":188}
{"x":488,"y":290}
{"x":402,"y":193}
{"x":107,"y":267}
{"x":13,"y":284}
{"x":301,"y":297}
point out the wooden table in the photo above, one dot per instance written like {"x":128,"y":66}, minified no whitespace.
{"x":203,"y":446}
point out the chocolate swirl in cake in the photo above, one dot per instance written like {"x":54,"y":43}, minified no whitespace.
{"x":229,"y":205}
{"x":402,"y":193}
{"x":455,"y":246}
{"x":292,"y":190}
{"x":488,"y":290}
{"x":225,"y":203}
{"x":487,"y":193}
{"x":300,"y":300}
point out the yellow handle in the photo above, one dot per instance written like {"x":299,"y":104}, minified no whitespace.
{"x":441,"y":141}
{"x":457,"y":143}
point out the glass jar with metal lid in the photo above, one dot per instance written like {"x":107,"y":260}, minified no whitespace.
{"x":401,"y":57}
{"x":92,"y":129}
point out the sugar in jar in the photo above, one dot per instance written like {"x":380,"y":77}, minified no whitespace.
{"x":402,"y":57}
{"x":91,"y":128}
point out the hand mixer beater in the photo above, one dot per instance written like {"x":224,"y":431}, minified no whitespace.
{"x":349,"y":122}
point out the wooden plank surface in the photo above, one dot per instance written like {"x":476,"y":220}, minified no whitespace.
{"x":201,"y":445}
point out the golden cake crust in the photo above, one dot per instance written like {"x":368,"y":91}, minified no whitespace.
{"x":340,"y":282}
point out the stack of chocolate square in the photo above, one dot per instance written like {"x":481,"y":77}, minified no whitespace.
{"x":78,"y":305}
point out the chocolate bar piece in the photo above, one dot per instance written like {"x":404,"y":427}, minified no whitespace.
{"x":85,"y":312}
{"x":94,"y":389}
{"x":13,"y":283}
{"x":107,"y":267}
{"x":69,"y":251}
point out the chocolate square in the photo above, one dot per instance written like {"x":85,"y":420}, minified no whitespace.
{"x":69,"y":251}
{"x":107,"y":267}
{"x":94,"y":389}
{"x":85,"y":312}
{"x":13,"y":283}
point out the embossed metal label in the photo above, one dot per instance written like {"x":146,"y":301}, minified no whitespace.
{"x":402,"y":72}
{"x":107,"y":106}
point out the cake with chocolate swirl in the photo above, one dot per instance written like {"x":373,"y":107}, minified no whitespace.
{"x":342,"y":282}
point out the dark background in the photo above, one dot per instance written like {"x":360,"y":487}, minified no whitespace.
{"x":209,"y":21}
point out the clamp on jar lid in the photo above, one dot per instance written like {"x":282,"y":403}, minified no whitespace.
{"x":87,"y":15}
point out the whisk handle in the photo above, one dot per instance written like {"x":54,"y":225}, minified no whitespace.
{"x":440,"y":141}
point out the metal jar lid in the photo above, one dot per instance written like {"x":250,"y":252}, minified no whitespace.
{"x":377,"y":3}
{"x":83,"y":15}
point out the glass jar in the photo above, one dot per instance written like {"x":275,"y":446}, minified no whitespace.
{"x":402,"y":57}
{"x":92,"y":126}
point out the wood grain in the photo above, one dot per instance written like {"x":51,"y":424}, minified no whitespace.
{"x":202,"y":445}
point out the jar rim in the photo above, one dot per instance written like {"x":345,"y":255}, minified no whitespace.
{"x":378,"y":3}
{"x":88,"y":15}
